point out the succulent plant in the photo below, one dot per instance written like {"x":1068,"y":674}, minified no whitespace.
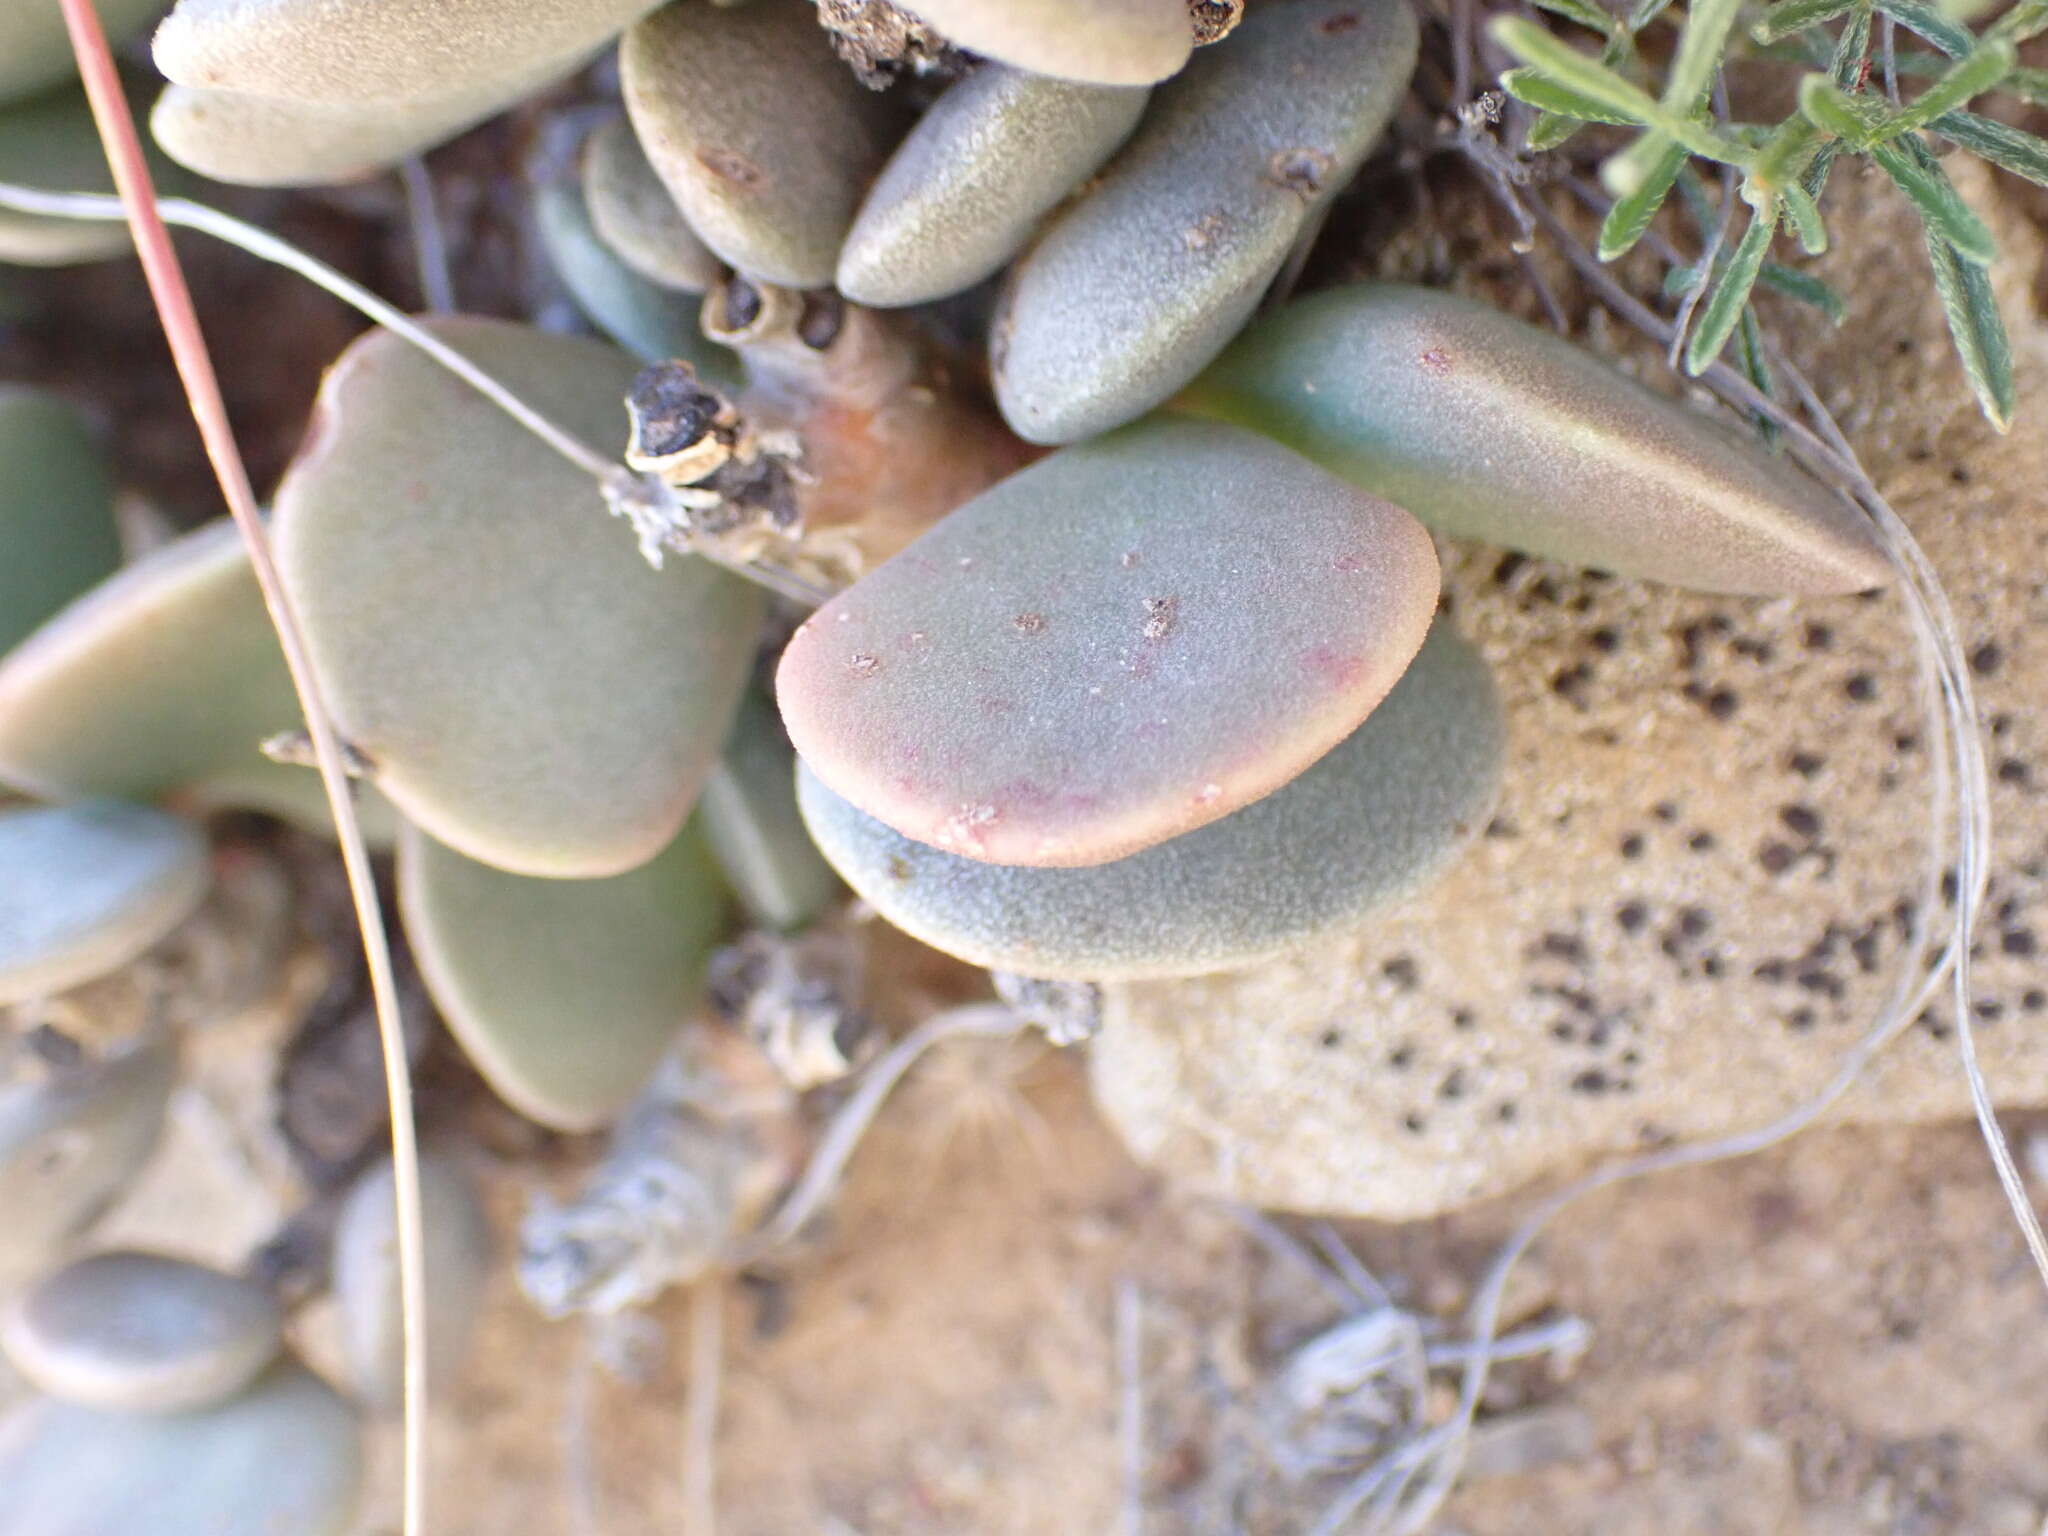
{"x":283,"y":1458}
{"x":56,"y":510}
{"x":1369,"y":821}
{"x":1178,"y":696}
{"x":72,"y":1138}
{"x":133,"y":1332}
{"x":90,"y":887}
{"x":35,"y":48}
{"x":162,"y":682}
{"x":521,"y":686}
{"x":48,"y":142}
{"x":510,"y":958}
{"x":366,"y":1279}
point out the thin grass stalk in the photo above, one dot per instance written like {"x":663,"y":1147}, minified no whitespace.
{"x":187,"y":341}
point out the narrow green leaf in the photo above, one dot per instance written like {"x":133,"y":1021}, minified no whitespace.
{"x":1550,"y":130}
{"x":1584,"y":12}
{"x":1852,"y":47}
{"x":1952,"y":38}
{"x":1791,"y":16}
{"x":1567,"y":67}
{"x":1976,"y":329}
{"x":2010,"y":149}
{"x":1749,"y":357}
{"x":1692,"y":191}
{"x":1631,"y":214}
{"x":1786,"y":153}
{"x":1540,"y":91}
{"x":1834,"y":111}
{"x":1700,"y":47}
{"x":1945,"y":213}
{"x":1988,"y":63}
{"x":2028,"y":85}
{"x":1678,"y":279}
{"x":1644,"y":12}
{"x":1730,"y":297}
{"x":1803,"y":286}
{"x":2027,"y":19}
{"x":1803,"y":213}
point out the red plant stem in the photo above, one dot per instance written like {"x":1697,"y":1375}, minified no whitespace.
{"x":180,"y":321}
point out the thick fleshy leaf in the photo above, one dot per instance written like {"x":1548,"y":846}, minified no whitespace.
{"x":1370,"y":822}
{"x":164,"y":680}
{"x":49,"y":143}
{"x":564,"y":993}
{"x":633,"y":213}
{"x":524,"y":686}
{"x":765,"y":140}
{"x":755,"y":831}
{"x":1121,"y":643}
{"x":652,"y":322}
{"x":366,"y":1280}
{"x":1109,"y":42}
{"x":142,"y":1333}
{"x":965,"y":189}
{"x":70,"y":1143}
{"x":35,"y":49}
{"x":264,"y":141}
{"x":1144,"y":278}
{"x":392,"y":51}
{"x":56,"y":510}
{"x":84,"y":889}
{"x":283,"y":1459}
{"x":1491,"y":429}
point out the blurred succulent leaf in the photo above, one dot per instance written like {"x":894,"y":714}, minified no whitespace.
{"x":970,"y":182}
{"x":164,"y":680}
{"x":1136,"y":284}
{"x":133,"y":1332}
{"x":1464,"y":415}
{"x":49,"y":142}
{"x":1372,"y":820}
{"x":765,"y":140}
{"x":440,"y":557}
{"x":753,"y":828}
{"x":366,"y":1280}
{"x":35,"y":48}
{"x":70,"y":1144}
{"x":84,"y":889}
{"x":1121,"y":643}
{"x":652,"y":322}
{"x":263,"y":141}
{"x":283,"y":1459}
{"x":634,"y":215}
{"x":1729,"y":298}
{"x":383,"y":51}
{"x":1103,"y":42}
{"x":563,"y":993}
{"x":56,"y":509}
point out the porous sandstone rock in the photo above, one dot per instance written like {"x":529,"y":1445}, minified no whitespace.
{"x":1691,"y":900}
